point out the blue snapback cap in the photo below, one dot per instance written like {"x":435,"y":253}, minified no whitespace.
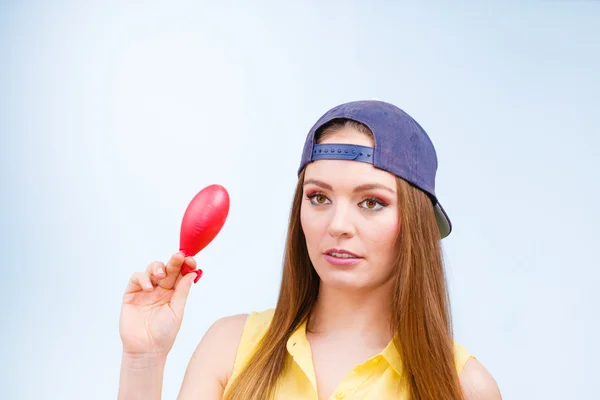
{"x":402,"y":147}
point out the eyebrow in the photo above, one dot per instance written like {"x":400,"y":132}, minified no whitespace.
{"x":360,"y":188}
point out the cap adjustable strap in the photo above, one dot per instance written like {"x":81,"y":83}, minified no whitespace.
{"x":334,"y":151}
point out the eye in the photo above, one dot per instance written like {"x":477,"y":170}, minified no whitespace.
{"x":318,"y":199}
{"x":372,"y":204}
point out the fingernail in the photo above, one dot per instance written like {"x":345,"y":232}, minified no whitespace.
{"x":148,"y":285}
{"x":160,"y":271}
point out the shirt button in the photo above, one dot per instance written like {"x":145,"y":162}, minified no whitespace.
{"x":375,"y":361}
{"x":340,"y":395}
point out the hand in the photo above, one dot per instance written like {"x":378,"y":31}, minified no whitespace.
{"x":153,"y":306}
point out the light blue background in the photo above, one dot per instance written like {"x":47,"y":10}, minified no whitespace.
{"x":113,"y":115}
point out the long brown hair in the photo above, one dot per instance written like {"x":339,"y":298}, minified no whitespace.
{"x":421,"y":316}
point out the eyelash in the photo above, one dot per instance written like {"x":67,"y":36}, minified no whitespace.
{"x":381,"y":203}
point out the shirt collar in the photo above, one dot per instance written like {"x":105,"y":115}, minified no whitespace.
{"x":390,"y":353}
{"x":299,"y":348}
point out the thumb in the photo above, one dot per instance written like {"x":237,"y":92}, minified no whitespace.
{"x":181,"y":292}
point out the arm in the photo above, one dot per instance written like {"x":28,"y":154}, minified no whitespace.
{"x":141,"y":377}
{"x":211,"y":364}
{"x":477,"y":383}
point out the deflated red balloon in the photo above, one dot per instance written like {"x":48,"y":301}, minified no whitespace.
{"x":202,"y":221}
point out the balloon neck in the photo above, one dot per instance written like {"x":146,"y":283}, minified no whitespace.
{"x":186,"y":269}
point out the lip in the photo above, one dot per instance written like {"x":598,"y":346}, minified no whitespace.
{"x":341,"y":251}
{"x":341,"y":261}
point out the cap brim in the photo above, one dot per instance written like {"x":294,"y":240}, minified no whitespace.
{"x":444,"y":224}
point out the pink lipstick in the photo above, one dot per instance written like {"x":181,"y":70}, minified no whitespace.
{"x":341,"y":257}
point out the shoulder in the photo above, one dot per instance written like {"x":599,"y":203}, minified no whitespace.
{"x":477,"y":382}
{"x":228,"y":340}
{"x":213,"y":358}
{"x":226,"y":327}
{"x":256,"y":325}
{"x":222,"y":337}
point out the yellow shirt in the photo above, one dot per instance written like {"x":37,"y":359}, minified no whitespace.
{"x":376,"y":379}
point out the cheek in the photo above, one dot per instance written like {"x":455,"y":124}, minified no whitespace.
{"x":383,"y":239}
{"x":311,"y":226}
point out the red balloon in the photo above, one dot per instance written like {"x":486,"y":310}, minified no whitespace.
{"x":202,"y":221}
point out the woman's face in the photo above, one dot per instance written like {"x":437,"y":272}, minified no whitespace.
{"x":349,"y":216}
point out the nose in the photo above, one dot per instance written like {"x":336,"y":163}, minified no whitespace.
{"x":341,"y":223}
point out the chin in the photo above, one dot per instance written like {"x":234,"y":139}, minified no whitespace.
{"x":345,"y":278}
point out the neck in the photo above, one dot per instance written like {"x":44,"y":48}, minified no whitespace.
{"x":339,"y":312}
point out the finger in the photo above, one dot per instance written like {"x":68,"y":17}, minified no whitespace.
{"x":187,"y":266}
{"x":173,"y":269}
{"x":139,"y":281}
{"x":157,"y":271}
{"x":192,"y":270}
{"x":180,"y":296}
{"x":189,"y":261}
{"x":191,"y":266}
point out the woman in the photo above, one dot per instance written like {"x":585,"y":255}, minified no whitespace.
{"x":363,"y":311}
